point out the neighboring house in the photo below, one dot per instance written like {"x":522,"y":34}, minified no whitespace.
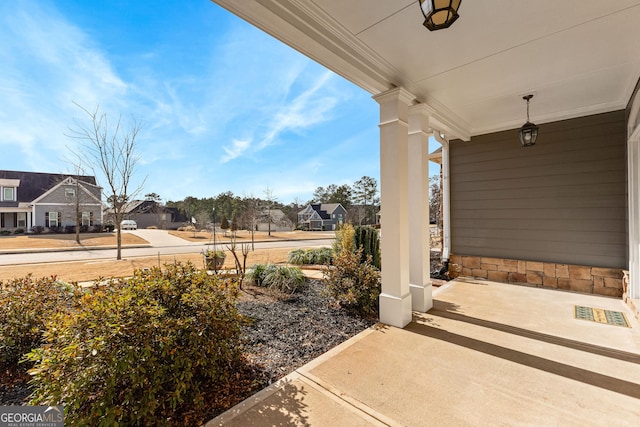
{"x":322,"y":216}
{"x":29,"y":199}
{"x":277,"y":218}
{"x":148,"y":213}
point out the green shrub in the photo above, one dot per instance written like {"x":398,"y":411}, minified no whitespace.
{"x":256,"y":274}
{"x":4,"y":232}
{"x":18,"y":231}
{"x":354,"y":284}
{"x":25,"y":306}
{"x":281,"y":278}
{"x":37,"y":229}
{"x":322,"y":256}
{"x":310,"y":256}
{"x":284,"y":279}
{"x":345,"y":240}
{"x":145,"y":351}
{"x":298,"y":257}
{"x":368,"y":239}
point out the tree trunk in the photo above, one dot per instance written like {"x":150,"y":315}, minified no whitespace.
{"x":118,"y":242}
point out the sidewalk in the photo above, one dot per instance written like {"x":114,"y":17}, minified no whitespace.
{"x":487,"y":354}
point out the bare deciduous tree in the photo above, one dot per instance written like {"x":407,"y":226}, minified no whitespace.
{"x":111,"y":150}
{"x":269,"y":199}
{"x":365,"y":192}
{"x":77,"y":196}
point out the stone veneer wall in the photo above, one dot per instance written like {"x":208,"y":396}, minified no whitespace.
{"x":579,"y":278}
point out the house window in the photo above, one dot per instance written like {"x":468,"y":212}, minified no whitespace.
{"x":86,"y":218}
{"x":52,"y":219}
{"x":8,"y":194}
{"x":22,"y":219}
{"x":69,"y":192}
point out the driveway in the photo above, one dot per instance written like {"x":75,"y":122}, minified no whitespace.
{"x":161,"y":238}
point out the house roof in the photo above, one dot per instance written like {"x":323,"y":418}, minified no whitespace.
{"x":134,"y":206}
{"x":578,"y":57}
{"x":323,"y":209}
{"x":35,"y":184}
{"x":276,"y":215}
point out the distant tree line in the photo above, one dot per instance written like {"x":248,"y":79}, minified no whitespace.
{"x":361,"y":200}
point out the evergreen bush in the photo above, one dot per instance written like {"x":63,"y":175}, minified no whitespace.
{"x":368,"y":239}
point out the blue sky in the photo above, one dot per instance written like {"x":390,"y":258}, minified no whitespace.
{"x":223,"y":106}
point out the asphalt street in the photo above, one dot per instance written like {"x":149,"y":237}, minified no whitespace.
{"x":157,"y":246}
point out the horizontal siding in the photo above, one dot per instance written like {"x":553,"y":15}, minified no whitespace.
{"x":562,"y":200}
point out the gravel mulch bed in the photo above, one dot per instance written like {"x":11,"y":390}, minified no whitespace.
{"x":293,"y":330}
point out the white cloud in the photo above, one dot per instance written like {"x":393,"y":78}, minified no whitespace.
{"x":304,"y":111}
{"x":49,"y":63}
{"x":236,"y":150}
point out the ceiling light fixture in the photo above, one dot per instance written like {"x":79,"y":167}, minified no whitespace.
{"x":528,"y":132}
{"x":439,"y":14}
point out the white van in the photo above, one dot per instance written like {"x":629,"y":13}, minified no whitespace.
{"x":128,"y":224}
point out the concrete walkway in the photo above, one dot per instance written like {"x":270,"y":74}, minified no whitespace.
{"x":160,"y":238}
{"x":488,"y":354}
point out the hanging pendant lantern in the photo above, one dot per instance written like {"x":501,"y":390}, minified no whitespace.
{"x":528,"y":132}
{"x":439,"y":14}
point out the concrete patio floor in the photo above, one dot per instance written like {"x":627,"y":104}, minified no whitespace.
{"x":487,"y":354}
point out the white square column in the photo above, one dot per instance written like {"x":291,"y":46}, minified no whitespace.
{"x":633,"y":182}
{"x":419,"y":235}
{"x":395,"y":299}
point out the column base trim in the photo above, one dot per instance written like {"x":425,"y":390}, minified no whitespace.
{"x":395,"y":311}
{"x":421,"y":297}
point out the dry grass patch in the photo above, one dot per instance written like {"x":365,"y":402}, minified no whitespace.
{"x":244,"y":236}
{"x":67,"y":240}
{"x":81,"y":271}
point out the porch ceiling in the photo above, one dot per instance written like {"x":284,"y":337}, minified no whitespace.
{"x":579,"y":57}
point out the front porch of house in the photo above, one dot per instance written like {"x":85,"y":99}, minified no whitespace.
{"x":487,"y":353}
{"x":571,"y":199}
{"x":12,"y":219}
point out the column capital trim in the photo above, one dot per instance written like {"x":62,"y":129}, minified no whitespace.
{"x":419,"y":116}
{"x":422,"y":108}
{"x":397,"y":93}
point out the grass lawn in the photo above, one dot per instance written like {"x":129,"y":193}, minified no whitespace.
{"x":46,"y":241}
{"x":80,"y":271}
{"x":244,"y":236}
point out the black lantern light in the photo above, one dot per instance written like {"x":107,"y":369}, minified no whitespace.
{"x":439,"y":14}
{"x":528,"y":132}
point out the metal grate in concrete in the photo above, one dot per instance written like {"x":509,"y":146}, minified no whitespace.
{"x":600,"y":315}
